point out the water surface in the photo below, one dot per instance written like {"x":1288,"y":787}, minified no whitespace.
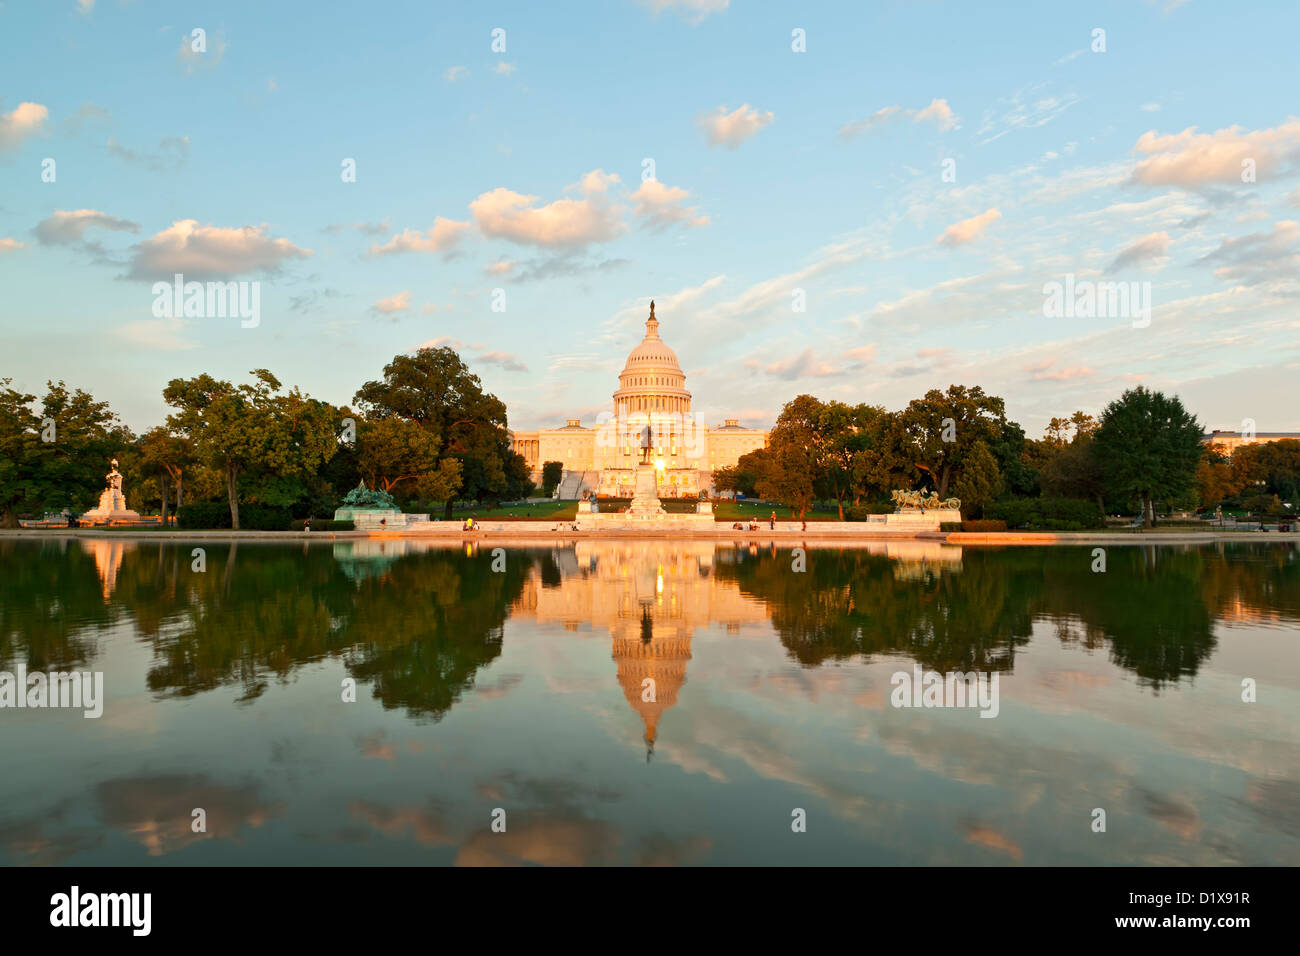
{"x":522,"y":689}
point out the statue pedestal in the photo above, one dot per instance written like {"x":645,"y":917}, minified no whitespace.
{"x":111,"y":507}
{"x":645,"y":494}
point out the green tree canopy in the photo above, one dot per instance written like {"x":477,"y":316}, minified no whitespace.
{"x":434,"y":388}
{"x":1149,"y":447}
{"x":254,"y":433}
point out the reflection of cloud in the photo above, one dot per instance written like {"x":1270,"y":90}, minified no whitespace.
{"x":1277,"y":804}
{"x":545,"y":841}
{"x":157,"y":811}
{"x":426,"y":825}
{"x":987,"y":836}
{"x":27,"y":842}
{"x":1175,"y":814}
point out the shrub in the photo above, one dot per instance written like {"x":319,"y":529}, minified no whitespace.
{"x":215,"y":515}
{"x":950,"y":525}
{"x":1047,"y":514}
{"x":862,"y":512}
{"x":983,"y":524}
{"x":204,"y":515}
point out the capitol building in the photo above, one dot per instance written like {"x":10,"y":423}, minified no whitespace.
{"x":651,"y":391}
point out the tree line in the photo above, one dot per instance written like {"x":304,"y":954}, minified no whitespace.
{"x":1143,"y":449}
{"x":425,"y":432}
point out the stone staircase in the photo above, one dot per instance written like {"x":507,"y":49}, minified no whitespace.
{"x":573,"y":483}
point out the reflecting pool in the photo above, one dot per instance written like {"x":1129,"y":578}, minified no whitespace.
{"x":650,"y":702}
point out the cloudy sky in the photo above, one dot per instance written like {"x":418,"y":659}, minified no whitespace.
{"x":912,"y":180}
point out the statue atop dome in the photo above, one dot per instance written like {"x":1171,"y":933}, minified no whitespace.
{"x":652,"y":324}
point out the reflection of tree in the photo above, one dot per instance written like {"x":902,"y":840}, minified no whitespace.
{"x":419,"y":631}
{"x":51,"y":604}
{"x":422,"y":632}
{"x":1148,"y":604}
{"x":850,"y":602}
{"x":1154,"y":607}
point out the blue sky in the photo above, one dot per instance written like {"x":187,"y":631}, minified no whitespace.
{"x":777,"y":174}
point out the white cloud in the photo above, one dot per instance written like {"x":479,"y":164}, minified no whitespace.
{"x":596,"y":181}
{"x":1260,"y":258}
{"x":938,"y":112}
{"x":455,"y":74}
{"x":505,"y":360}
{"x":1193,"y":159}
{"x":401,"y":302}
{"x":66,"y":227}
{"x":565,"y":223}
{"x":807,"y":365}
{"x":941,"y":113}
{"x":1148,"y":250}
{"x":210,"y":59}
{"x":9,"y":245}
{"x":441,"y":237}
{"x":24,"y":120}
{"x":661,"y":206}
{"x":173,"y":151}
{"x":1027,"y":108}
{"x":693,"y":11}
{"x":163,"y":335}
{"x":210,"y":252}
{"x":962,"y":232}
{"x":732,"y":129}
{"x":503,"y":68}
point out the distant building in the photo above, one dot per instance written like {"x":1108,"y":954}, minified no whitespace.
{"x":1228,"y":442}
{"x":651,"y":391}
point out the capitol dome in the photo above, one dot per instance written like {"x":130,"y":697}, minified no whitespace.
{"x":652,"y":379}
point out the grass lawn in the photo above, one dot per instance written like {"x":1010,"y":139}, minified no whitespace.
{"x":743,"y":510}
{"x":543,"y":510}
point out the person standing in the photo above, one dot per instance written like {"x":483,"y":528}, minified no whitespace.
{"x":771,"y":522}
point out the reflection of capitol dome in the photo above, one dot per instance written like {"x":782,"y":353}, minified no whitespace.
{"x":651,"y":596}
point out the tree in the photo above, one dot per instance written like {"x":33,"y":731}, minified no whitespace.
{"x":793,"y":463}
{"x":56,"y":458}
{"x":741,"y":478}
{"x":166,"y":456}
{"x":1149,"y":447}
{"x":434,"y":388}
{"x":20,"y":452}
{"x":252,"y":433}
{"x":392,"y":451}
{"x":980,"y":480}
{"x":552,"y":472}
{"x":1274,"y":466}
{"x":884,"y":461}
{"x":842,"y":433}
{"x":1075,"y":472}
{"x":942,"y":428}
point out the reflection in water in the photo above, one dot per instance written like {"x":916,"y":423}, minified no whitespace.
{"x":784,"y":655}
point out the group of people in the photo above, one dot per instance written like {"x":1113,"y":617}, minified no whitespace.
{"x":753,"y":524}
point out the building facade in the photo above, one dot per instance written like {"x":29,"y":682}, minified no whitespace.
{"x":651,"y":392}
{"x":1225,"y":442}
